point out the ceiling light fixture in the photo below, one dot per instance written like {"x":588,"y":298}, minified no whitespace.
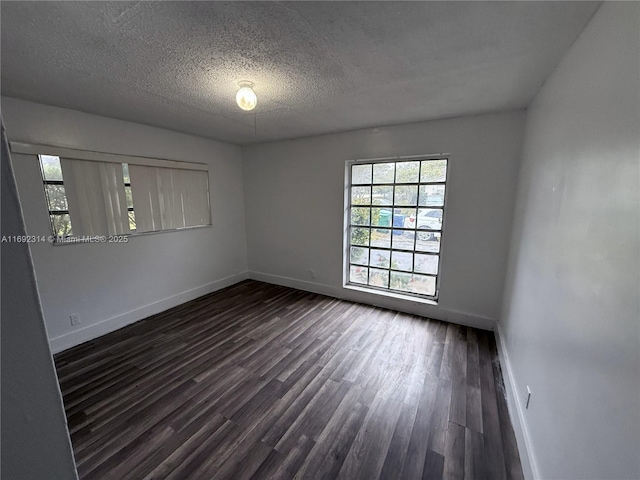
{"x":246,"y":97}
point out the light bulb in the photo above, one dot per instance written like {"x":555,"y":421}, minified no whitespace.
{"x":246,"y":97}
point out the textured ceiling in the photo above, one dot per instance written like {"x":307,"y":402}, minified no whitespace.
{"x":318,"y":67}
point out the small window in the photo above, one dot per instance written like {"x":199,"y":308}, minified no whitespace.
{"x":395,"y":218}
{"x":56,"y":196}
{"x":89,"y":198}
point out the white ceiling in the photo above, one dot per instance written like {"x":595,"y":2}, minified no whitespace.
{"x":318,"y":67}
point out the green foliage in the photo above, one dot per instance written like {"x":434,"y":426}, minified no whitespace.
{"x":383,"y":172}
{"x":382,"y":195}
{"x":132,"y":220}
{"x":61,"y":225}
{"x":375,"y":216}
{"x":356,"y":254}
{"x":433,"y":171}
{"x":128,"y":194}
{"x":407,"y":172}
{"x":400,"y":281}
{"x":57,"y":197}
{"x":359,"y":236}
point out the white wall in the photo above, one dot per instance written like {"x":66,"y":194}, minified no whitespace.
{"x":571,"y":319}
{"x":35,"y":440}
{"x":294,"y":197}
{"x":111,"y":285}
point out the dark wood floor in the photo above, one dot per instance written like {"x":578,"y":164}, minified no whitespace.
{"x":260,"y":381}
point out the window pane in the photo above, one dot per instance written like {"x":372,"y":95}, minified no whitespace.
{"x":426,"y":264}
{"x":407,"y":172}
{"x":402,"y":261}
{"x":431,"y":196}
{"x":359,"y":236}
{"x":360,"y":216}
{"x":358,"y":274}
{"x":413,"y":283}
{"x":403,"y":239}
{"x":383,"y":172}
{"x":379,"y":278}
{"x":428,"y":242}
{"x":423,"y":285}
{"x":127,"y":191}
{"x":433,"y":171}
{"x":360,"y":174}
{"x":400,"y":281}
{"x":359,"y":255}
{"x":125,"y":173}
{"x":429,"y":218}
{"x":404,"y":217}
{"x":132,"y":220}
{"x":380,"y":258}
{"x":382,"y":195}
{"x":381,"y":238}
{"x":360,"y":195}
{"x":61,"y":225}
{"x":381,"y":217}
{"x":57,"y":197}
{"x":51,"y":167}
{"x":406,"y":195}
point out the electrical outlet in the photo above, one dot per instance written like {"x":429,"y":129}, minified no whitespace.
{"x":75,"y":318}
{"x":526,"y":406}
{"x":313,"y":273}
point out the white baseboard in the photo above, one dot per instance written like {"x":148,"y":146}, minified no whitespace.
{"x":103,"y":327}
{"x":514,"y":404}
{"x":401,"y":305}
{"x":90,"y":332}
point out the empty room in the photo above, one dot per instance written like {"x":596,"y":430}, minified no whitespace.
{"x":320,"y":240}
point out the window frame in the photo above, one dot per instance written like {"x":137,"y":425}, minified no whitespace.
{"x":52,"y":213}
{"x":46,"y":182}
{"x":388,"y":291}
{"x":37,"y":150}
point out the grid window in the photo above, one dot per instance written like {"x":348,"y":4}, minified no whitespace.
{"x":396,"y":211}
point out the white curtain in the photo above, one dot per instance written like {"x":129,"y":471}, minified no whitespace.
{"x":96,"y":197}
{"x":169,"y":198}
{"x":195,"y":198}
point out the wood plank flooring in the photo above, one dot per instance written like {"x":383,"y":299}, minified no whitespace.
{"x":259,"y":381}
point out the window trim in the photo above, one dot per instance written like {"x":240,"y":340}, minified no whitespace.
{"x":38,"y":150}
{"x":416,"y":297}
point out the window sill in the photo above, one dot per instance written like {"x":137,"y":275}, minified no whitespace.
{"x":397,"y":296}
